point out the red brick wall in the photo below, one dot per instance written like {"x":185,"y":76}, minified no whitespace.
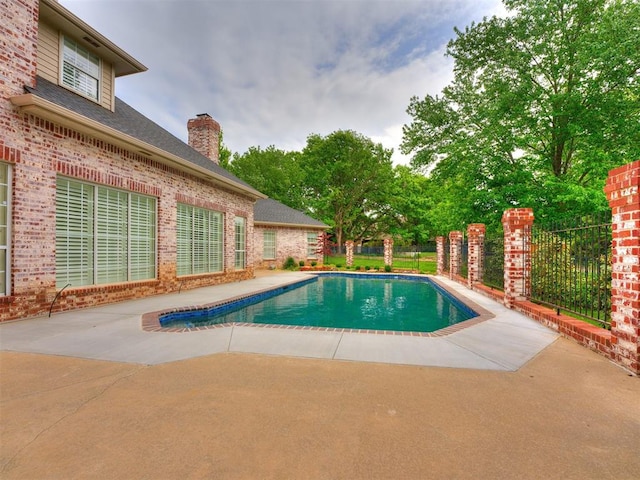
{"x":40,"y":150}
{"x":290,"y":242}
{"x":623,"y":193}
{"x":516,"y":223}
{"x":455,"y":253}
{"x":475,"y":257}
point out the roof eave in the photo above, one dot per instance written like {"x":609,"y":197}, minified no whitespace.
{"x":37,"y":106}
{"x":123,"y":63}
{"x":291,"y":225}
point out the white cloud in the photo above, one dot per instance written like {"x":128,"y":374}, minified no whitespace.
{"x":275,"y":71}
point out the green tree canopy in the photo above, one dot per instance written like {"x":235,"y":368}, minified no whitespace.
{"x":543,"y":103}
{"x":274,"y":172}
{"x":348,"y":183}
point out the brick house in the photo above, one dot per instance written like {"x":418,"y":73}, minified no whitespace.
{"x":282,"y":232}
{"x":97,"y":201}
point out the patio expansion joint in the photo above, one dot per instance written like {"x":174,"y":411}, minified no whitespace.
{"x":503,"y":366}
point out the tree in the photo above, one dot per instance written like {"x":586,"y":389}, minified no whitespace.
{"x":543,"y":103}
{"x":348,"y":181}
{"x":412,"y":202}
{"x":274,"y":172}
{"x":224,"y":154}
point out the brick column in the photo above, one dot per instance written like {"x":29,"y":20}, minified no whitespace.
{"x":440,"y":255}
{"x":517,"y":261}
{"x":349,"y":246}
{"x":475,"y":236}
{"x":388,"y":251}
{"x":455,"y":253}
{"x":623,"y":192}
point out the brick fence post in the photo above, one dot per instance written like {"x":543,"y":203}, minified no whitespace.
{"x":388,"y":251}
{"x":440,"y":255}
{"x":475,"y":235}
{"x":517,"y":261}
{"x":623,"y":192}
{"x":349,"y":245}
{"x":455,"y":253}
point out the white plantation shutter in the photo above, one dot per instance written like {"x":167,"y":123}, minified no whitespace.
{"x":199,"y":240}
{"x":103,"y":235}
{"x":241,"y":254}
{"x":269,"y":245}
{"x":80,"y":69}
{"x":142,"y":237}
{"x":74,"y":233}
{"x":111,"y":236}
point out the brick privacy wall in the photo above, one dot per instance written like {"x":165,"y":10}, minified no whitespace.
{"x":455,"y":255}
{"x":475,"y":235}
{"x":440,"y":254}
{"x":39,"y":150}
{"x":290,"y":242}
{"x":623,"y":192}
{"x":516,"y":223}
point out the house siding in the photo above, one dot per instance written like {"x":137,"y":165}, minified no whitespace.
{"x":39,"y":151}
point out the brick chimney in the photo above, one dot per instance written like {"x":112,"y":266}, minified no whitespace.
{"x":204,"y":133}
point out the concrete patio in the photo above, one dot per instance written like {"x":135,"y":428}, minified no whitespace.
{"x":88,"y":394}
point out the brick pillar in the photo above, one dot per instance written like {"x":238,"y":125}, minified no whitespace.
{"x":517,"y":261}
{"x":455,"y":253}
{"x":349,"y":245}
{"x":623,"y":192}
{"x":388,"y":251}
{"x":440,"y":254}
{"x":475,"y":236}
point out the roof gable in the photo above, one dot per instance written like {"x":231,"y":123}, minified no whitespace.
{"x":270,"y":211}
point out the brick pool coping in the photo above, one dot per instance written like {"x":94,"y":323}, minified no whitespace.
{"x":151,"y":320}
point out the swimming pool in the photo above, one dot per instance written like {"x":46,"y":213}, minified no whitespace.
{"x":401,"y":303}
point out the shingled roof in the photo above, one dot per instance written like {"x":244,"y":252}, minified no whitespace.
{"x":127,"y":120}
{"x":272,"y":212}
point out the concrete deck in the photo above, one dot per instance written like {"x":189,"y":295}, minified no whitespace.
{"x":113,"y":332}
{"x":90,"y":395}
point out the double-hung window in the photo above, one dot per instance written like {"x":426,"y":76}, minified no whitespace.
{"x":312,"y":245}
{"x":241,"y":243}
{"x":80,"y":69}
{"x":199,"y":240}
{"x":103,"y":235}
{"x":269,"y":245}
{"x":5,"y":234}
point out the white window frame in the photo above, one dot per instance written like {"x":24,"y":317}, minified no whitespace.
{"x":101,"y":236}
{"x":80,"y":62}
{"x":5,"y":247}
{"x":269,"y":245}
{"x":199,"y":240}
{"x":240,"y":229}
{"x":312,"y":245}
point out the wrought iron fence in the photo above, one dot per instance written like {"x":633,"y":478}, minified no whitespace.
{"x":447,"y":254}
{"x":493,"y":261}
{"x":410,"y":257}
{"x":571,"y":267}
{"x":464,"y":258}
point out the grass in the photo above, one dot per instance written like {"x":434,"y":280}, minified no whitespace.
{"x":425,"y":264}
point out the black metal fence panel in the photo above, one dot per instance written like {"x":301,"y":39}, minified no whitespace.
{"x":447,"y":255}
{"x":464,"y":259}
{"x":571,"y":267}
{"x":493,"y":273}
{"x":410,"y":257}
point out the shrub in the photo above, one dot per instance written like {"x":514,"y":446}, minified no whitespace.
{"x":339,"y":265}
{"x":313,"y":264}
{"x":367,"y":267}
{"x":289,"y":264}
{"x":301,"y":263}
{"x":387,"y":268}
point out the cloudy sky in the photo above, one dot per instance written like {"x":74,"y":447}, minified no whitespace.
{"x":271,"y":72}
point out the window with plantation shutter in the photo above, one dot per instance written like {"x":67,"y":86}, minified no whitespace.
{"x":5,"y":234}
{"x":241,"y":241}
{"x":269,"y":245}
{"x":312,"y":245}
{"x":80,"y":69}
{"x":103,"y":235}
{"x":199,"y":240}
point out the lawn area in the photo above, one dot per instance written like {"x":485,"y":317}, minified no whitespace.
{"x":424,"y":263}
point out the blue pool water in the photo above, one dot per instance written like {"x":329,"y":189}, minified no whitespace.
{"x":373,"y":302}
